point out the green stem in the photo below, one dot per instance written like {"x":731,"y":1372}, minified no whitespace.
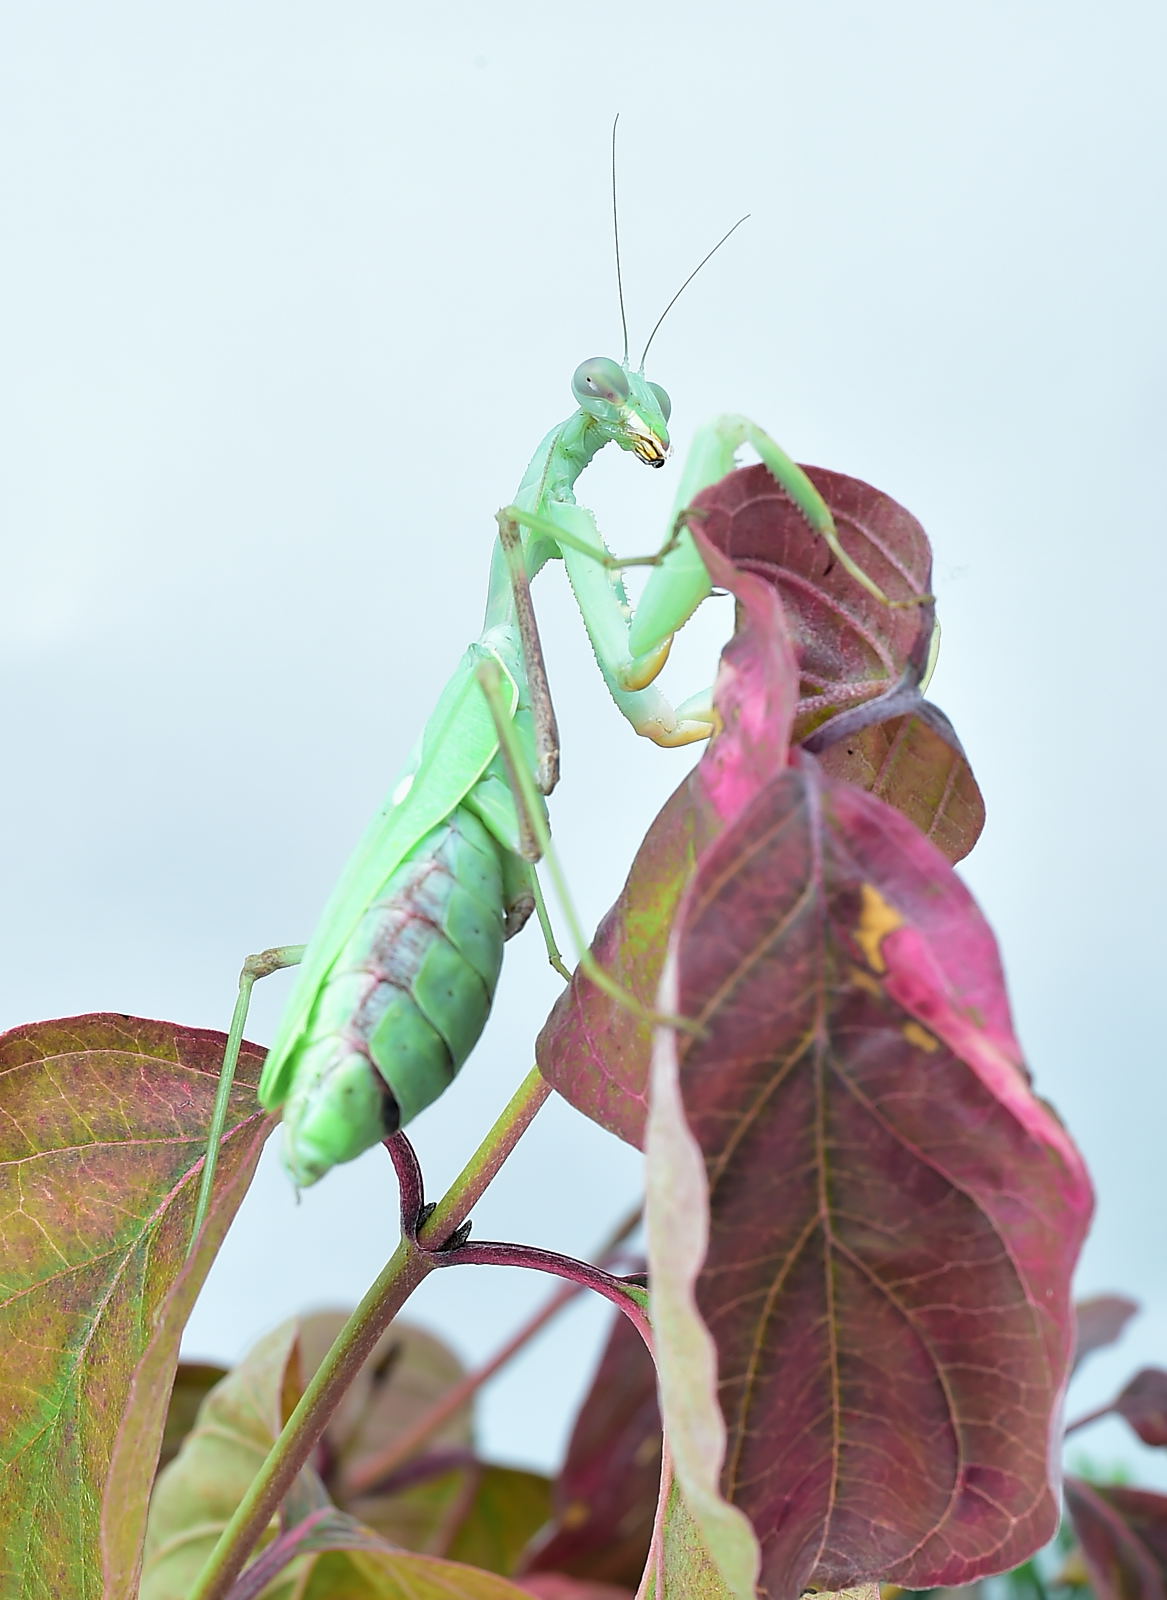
{"x":367,"y":1475}
{"x":406,"y":1268}
{"x":479,"y":1172}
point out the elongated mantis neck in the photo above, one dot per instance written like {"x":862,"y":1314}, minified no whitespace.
{"x":549,"y":480}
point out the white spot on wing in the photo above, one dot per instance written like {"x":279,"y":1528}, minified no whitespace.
{"x":402,"y":789}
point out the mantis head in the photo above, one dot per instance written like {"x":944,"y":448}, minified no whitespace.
{"x":628,"y":409}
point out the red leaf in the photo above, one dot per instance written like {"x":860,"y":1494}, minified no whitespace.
{"x":554,"y":1586}
{"x":1123,"y":1534}
{"x":851,"y":646}
{"x":606,"y":1494}
{"x":904,"y":749}
{"x":894,"y":1216}
{"x":1144,"y":1405}
{"x":1100,"y":1322}
{"x":592,"y":1048}
{"x":861,"y":661}
{"x":851,"y":649}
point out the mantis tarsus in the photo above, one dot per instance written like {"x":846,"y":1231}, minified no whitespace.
{"x":396,"y":984}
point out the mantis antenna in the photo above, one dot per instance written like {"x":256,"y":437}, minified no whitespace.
{"x":620,"y":275}
{"x":686,"y":284}
{"x":616,"y":236}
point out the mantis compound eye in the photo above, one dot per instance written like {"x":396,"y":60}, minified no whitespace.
{"x":599,"y":378}
{"x":662,"y":400}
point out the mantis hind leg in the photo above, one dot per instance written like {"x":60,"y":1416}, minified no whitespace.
{"x":254,"y":968}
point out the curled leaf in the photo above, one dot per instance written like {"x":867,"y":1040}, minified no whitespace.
{"x":904,"y":750}
{"x":851,"y":646}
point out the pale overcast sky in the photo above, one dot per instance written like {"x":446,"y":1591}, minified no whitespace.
{"x":291,"y":292}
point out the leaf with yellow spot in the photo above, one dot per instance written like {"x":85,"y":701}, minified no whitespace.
{"x":885,"y":1195}
{"x":876,"y":920}
{"x":883,"y":1191}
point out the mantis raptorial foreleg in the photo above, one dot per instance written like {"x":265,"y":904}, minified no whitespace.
{"x":542,"y":706}
{"x":631,"y":646}
{"x":592,"y":571}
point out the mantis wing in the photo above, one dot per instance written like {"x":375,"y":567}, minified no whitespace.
{"x":458,"y":744}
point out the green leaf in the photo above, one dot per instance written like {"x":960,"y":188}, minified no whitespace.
{"x":682,"y":1563}
{"x":101,"y":1147}
{"x":236,"y":1427}
{"x":686,"y":1357}
{"x":408,"y":1373}
{"x":508,"y":1509}
{"x":197,"y":1494}
{"x":352,"y":1576}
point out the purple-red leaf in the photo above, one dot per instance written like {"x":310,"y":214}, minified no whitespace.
{"x":894,"y":1216}
{"x":812,"y":647}
{"x":1100,"y":1322}
{"x":1123,"y":1534}
{"x":1144,"y":1405}
{"x":851,"y":646}
{"x":101,"y":1145}
{"x":904,"y":749}
{"x":861,"y":661}
{"x":593,"y":1049}
{"x":606,"y":1494}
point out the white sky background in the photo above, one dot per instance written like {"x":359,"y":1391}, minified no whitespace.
{"x":290,"y":293}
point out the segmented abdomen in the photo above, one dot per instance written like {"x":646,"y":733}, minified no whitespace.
{"x":405,"y":1000}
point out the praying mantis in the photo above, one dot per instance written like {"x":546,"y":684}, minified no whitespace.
{"x":395,"y":986}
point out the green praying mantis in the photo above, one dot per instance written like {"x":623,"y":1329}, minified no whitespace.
{"x":396,"y":984}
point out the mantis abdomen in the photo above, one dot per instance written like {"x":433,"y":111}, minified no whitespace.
{"x":405,"y":1000}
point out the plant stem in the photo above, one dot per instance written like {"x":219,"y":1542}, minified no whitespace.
{"x":406,"y":1268}
{"x":402,"y":1273}
{"x":1084,"y":1421}
{"x":371,"y":1475}
{"x":478,"y":1173}
{"x":630,"y":1298}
